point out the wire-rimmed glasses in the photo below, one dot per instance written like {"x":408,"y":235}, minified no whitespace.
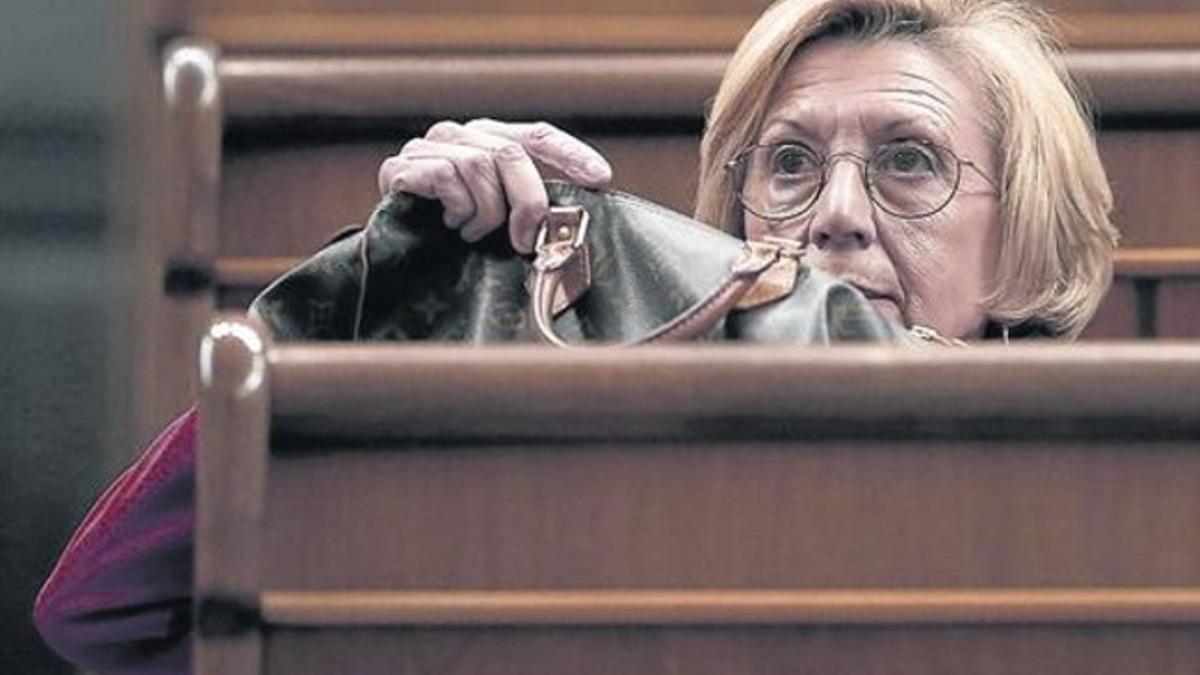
{"x":907,"y":178}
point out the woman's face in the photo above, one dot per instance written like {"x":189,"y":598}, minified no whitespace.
{"x":843,"y":96}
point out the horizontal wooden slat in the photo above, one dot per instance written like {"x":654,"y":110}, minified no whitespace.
{"x":1142,"y":81}
{"x":473,"y":32}
{"x":252,"y":273}
{"x":705,"y":607}
{"x":1173,"y":262}
{"x":1126,"y":82}
{"x":1069,"y":391}
{"x":602,"y":85}
{"x":343,"y":31}
{"x":1132,"y":29}
{"x":841,"y":650}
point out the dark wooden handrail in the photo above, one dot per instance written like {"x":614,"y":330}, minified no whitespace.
{"x":1138,"y":83}
{"x":388,"y":390}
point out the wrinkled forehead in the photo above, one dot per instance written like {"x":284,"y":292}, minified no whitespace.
{"x":878,"y":84}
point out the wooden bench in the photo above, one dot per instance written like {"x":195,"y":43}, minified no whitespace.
{"x":286,"y":148}
{"x":397,"y":509}
{"x":272,"y":151}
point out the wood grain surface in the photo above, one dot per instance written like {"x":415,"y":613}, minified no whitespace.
{"x":463,"y":25}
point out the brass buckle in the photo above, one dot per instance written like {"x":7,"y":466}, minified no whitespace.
{"x":560,"y":238}
{"x":568,"y":223}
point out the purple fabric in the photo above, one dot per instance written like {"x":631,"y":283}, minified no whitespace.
{"x":119,"y":599}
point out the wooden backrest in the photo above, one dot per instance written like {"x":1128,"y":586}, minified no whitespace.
{"x":304,"y":135}
{"x":381,"y":509}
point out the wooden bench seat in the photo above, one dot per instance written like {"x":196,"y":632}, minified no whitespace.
{"x":378,"y":509}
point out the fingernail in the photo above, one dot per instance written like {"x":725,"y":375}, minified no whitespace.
{"x":598,"y":170}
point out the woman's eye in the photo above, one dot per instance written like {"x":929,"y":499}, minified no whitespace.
{"x":790,"y":160}
{"x":908,"y":159}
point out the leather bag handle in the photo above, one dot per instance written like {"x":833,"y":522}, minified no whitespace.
{"x":765,"y":271}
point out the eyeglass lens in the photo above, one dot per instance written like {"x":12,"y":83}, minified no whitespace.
{"x":905,"y":178}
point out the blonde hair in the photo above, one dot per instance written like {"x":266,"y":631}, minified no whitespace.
{"x":1057,"y":242}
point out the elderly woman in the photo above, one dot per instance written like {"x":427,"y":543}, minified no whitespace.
{"x":932,"y":153}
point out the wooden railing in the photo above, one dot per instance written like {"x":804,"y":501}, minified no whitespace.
{"x":995,"y":510}
{"x":305,"y":131}
{"x":458,"y":32}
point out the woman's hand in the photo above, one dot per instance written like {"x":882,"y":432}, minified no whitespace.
{"x":483,"y":174}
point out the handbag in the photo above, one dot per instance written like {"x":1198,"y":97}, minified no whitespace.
{"x":610,"y":268}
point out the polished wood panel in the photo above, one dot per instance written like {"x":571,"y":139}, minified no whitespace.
{"x":604,"y":85}
{"x":284,"y":200}
{"x":1059,"y":389}
{"x":1178,"y":311}
{"x":704,"y":509}
{"x":1158,"y":263}
{"x":1154,"y":175}
{"x":1147,"y":84}
{"x":875,"y":607}
{"x":1142,"y":28}
{"x":1139,"y":82}
{"x":958,"y":513}
{"x":636,"y":28}
{"x":1084,"y":650}
{"x":342,"y":32}
{"x":1119,"y":315}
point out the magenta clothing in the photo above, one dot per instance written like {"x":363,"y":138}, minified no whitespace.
{"x":119,"y":598}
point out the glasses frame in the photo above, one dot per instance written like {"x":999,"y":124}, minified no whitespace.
{"x":736,"y":169}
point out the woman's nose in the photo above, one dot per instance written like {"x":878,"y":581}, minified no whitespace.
{"x":843,"y":215}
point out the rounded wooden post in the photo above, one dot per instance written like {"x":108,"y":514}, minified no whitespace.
{"x":183,"y":241}
{"x":192,"y":89}
{"x":231,"y":472}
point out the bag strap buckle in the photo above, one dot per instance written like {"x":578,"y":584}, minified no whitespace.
{"x":562,"y":268}
{"x":560,"y":237}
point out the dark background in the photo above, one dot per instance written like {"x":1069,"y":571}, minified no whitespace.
{"x":73,"y":79}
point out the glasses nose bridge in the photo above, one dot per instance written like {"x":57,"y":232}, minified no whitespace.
{"x":863,"y":162}
{"x":842,"y":212}
{"x":829,"y":162}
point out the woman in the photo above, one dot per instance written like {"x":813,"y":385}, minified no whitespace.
{"x":931,"y":152}
{"x":1014,"y":232}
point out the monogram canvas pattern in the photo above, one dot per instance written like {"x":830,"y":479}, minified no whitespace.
{"x":407,"y":277}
